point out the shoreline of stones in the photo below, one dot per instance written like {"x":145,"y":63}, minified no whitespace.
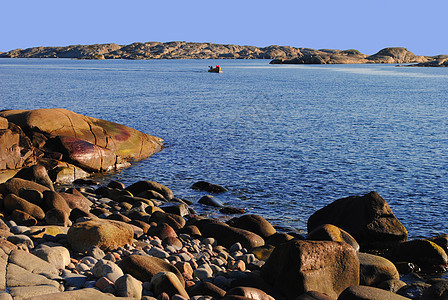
{"x":141,"y":242}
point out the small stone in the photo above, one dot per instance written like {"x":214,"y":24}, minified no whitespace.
{"x":236,"y":247}
{"x":156,"y":252}
{"x":204,"y":272}
{"x":102,"y":283}
{"x":95,"y":252}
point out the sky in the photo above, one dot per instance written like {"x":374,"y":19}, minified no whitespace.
{"x":367,"y":26}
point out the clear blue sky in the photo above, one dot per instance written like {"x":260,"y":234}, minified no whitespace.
{"x":367,"y":26}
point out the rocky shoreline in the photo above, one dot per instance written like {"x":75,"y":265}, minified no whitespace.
{"x":184,"y":50}
{"x":143,"y":242}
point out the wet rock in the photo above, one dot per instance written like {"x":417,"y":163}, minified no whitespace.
{"x":368,"y":293}
{"x":144,"y":268}
{"x":376,"y":269}
{"x":255,"y":224}
{"x":210,"y":201}
{"x":107,"y":235}
{"x":208,"y":187}
{"x":169,"y":283}
{"x":413,"y":290}
{"x":176,"y":208}
{"x":300,"y":266}
{"x":367,"y":218}
{"x":13,"y":202}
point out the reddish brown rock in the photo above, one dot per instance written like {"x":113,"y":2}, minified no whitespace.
{"x":13,"y":185}
{"x":296,"y":267}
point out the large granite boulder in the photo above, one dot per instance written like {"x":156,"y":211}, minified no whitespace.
{"x":90,"y":143}
{"x":296,"y":267}
{"x":105,"y":234}
{"x":368,"y":218}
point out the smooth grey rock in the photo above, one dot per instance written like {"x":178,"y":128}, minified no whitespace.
{"x":57,"y":256}
{"x":17,"y":276}
{"x":23,"y":292}
{"x":33,"y":263}
{"x":128,"y":286}
{"x":19,"y":239}
{"x":104,"y":267}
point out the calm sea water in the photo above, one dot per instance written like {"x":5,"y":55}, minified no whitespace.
{"x":285,"y":140}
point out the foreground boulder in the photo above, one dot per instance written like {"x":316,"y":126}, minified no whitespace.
{"x":56,"y":135}
{"x":368,"y":218}
{"x":376,"y":269}
{"x":105,"y":234}
{"x":296,"y":267}
{"x":328,"y":232}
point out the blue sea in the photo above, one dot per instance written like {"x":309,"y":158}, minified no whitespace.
{"x":285,"y":140}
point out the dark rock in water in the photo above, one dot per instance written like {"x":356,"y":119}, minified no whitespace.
{"x":296,"y":267}
{"x":413,"y":290}
{"x":424,"y":253}
{"x":83,"y":181}
{"x":144,"y":185}
{"x":255,"y":224}
{"x":368,"y":218}
{"x":328,"y":232}
{"x":376,"y":269}
{"x":437,"y":291}
{"x":367,"y":292}
{"x":151,"y":194}
{"x":208,"y":187}
{"x":144,"y":268}
{"x":227,"y":235}
{"x":175,"y":208}
{"x":210,"y":201}
{"x":231,"y":210}
{"x":392,"y":285}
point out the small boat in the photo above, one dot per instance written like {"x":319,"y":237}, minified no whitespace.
{"x":216,"y":69}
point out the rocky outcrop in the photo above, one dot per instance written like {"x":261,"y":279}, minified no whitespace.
{"x":395,"y":55}
{"x":184,"y":50}
{"x":68,"y":144}
{"x":438,"y":61}
{"x":157,"y":50}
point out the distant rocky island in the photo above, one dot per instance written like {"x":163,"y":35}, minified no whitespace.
{"x":187,"y":50}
